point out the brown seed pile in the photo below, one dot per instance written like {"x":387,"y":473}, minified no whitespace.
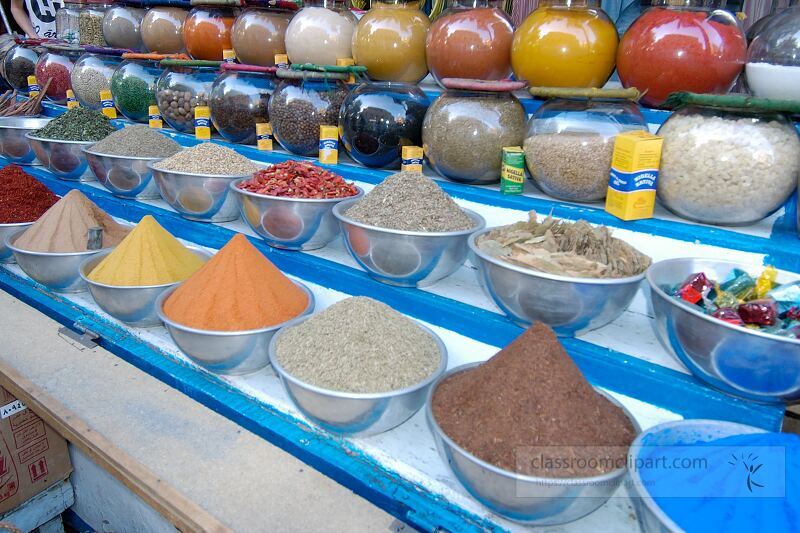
{"x":208,"y":158}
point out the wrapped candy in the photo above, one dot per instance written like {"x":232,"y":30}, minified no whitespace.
{"x":766,"y":281}
{"x":694,"y":288}
{"x":739,"y":283}
{"x":724,"y":298}
{"x":787,"y":295}
{"x":759,"y":312}
{"x":729,"y":315}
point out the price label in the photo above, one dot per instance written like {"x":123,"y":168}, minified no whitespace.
{"x":328,"y":145}
{"x":264,"y":136}
{"x":229,"y":56}
{"x":154,"y":117}
{"x":412,"y":159}
{"x":107,"y":104}
{"x":33,"y":86}
{"x":281,"y":60}
{"x":202,"y":123}
{"x":72,"y":102}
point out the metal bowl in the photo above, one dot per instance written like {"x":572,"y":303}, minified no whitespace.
{"x":534,"y":501}
{"x":124,"y":176}
{"x":6,"y":256}
{"x":570,"y":306}
{"x":133,"y":305}
{"x":58,"y":271}
{"x":290,"y":223}
{"x":356,"y":414}
{"x":14,"y":145}
{"x":65,"y":159}
{"x":201,"y":197}
{"x":227,"y":352}
{"x":405,"y":258}
{"x":651,"y":518}
{"x":740,"y":361}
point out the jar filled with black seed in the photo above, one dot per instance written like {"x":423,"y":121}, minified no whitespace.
{"x":240,"y":100}
{"x":92,"y":73}
{"x":378,"y":118}
{"x":182,"y":86}
{"x":304,"y":101}
{"x":19,"y":63}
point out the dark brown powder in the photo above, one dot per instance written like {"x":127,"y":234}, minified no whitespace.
{"x":530,"y":401}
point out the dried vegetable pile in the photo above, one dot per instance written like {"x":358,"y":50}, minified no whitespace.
{"x":298,"y":179}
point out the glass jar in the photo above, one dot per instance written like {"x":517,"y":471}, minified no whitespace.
{"x":727,"y":167}
{"x":19,"y":63}
{"x":471,"y":40}
{"x":321,"y":33}
{"x":569,"y":145}
{"x":181,"y":87}
{"x":56,"y":64}
{"x":133,"y":86}
{"x":162,"y":29}
{"x":390,"y":41}
{"x":679,"y":45}
{"x":90,"y":23}
{"x":465,"y":131}
{"x":378,"y":119}
{"x":122,"y":27}
{"x":92,"y":74}
{"x":773,"y":62}
{"x":302,"y":103}
{"x":68,"y":22}
{"x":207,"y":32}
{"x":240,"y":100}
{"x":258,"y":34}
{"x":565,"y":43}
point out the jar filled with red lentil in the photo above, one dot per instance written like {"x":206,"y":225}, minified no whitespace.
{"x":56,"y":64}
{"x":258,"y":35}
{"x":207,"y":32}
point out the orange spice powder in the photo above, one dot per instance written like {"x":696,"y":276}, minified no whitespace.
{"x":238,"y":289}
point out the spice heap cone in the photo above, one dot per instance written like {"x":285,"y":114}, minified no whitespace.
{"x":149,"y":255}
{"x":65,"y":227}
{"x":238,"y":289}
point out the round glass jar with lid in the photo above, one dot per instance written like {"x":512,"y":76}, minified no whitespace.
{"x":20,"y":62}
{"x":773,"y":59}
{"x":680,"y":45}
{"x":390,"y":41}
{"x":378,"y":118}
{"x":133,"y":85}
{"x":302,"y":102}
{"x":92,"y":73}
{"x":68,"y":22}
{"x":258,"y":34}
{"x":471,"y":39}
{"x":56,"y":64}
{"x":122,"y":27}
{"x":321,"y":33}
{"x":207,"y":32}
{"x":570,"y":142}
{"x":565,"y":43}
{"x":240,"y":100}
{"x":162,"y":29}
{"x":727,"y":167}
{"x":90,"y":22}
{"x":467,"y":127}
{"x":182,"y":86}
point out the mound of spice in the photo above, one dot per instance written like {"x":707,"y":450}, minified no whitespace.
{"x":409,"y":201}
{"x":208,"y":158}
{"x":77,"y":124}
{"x":22,"y":197}
{"x":358,"y":345}
{"x":137,"y":141}
{"x":236,"y":290}
{"x":531,"y":401}
{"x":574,"y":249}
{"x":65,"y":227}
{"x":298,"y":179}
{"x":149,"y":255}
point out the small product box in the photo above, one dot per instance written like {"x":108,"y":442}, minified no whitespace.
{"x":412,"y":159}
{"x":202,"y":123}
{"x":264,"y":136}
{"x":347,"y":62}
{"x":107,"y":104}
{"x":154,"y":117}
{"x":72,"y":102}
{"x":229,"y":56}
{"x":281,"y":60}
{"x":512,"y":173}
{"x":328,"y":145}
{"x":33,"y":86}
{"x":634,"y":175}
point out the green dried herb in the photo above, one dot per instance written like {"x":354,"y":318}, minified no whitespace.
{"x":77,"y":124}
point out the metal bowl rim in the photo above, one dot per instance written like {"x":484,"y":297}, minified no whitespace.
{"x":88,"y":150}
{"x":551,"y":481}
{"x":341,"y":395}
{"x":159,"y":304}
{"x":162,"y":171}
{"x":9,"y":127}
{"x":12,"y":224}
{"x":339,"y":208}
{"x":685,"y":307}
{"x":555,"y":277}
{"x":234,"y":185}
{"x":13,"y":237}
{"x":59,"y":141}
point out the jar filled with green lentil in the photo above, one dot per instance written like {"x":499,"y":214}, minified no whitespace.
{"x":92,"y":74}
{"x":133,"y":85}
{"x":182,"y":86}
{"x":90,"y":22}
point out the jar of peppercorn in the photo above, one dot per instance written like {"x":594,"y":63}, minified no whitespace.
{"x":302,"y":102}
{"x":20,"y":62}
{"x":182,"y":86}
{"x":240,"y":100}
{"x":162,"y":29}
{"x":207,"y":32}
{"x":92,"y":73}
{"x":56,"y":64}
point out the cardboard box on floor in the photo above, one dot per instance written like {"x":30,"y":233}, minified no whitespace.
{"x":33,"y":456}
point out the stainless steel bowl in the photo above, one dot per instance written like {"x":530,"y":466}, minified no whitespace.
{"x":124,"y":176}
{"x":743,"y":362}
{"x":6,"y":256}
{"x":356,"y":414}
{"x":134,"y":305}
{"x":570,"y":306}
{"x":534,"y":501}
{"x":405,"y":258}
{"x":14,"y":145}
{"x":65,"y":159}
{"x":290,"y":223}
{"x":651,"y":518}
{"x":227,"y":352}
{"x":58,"y":271}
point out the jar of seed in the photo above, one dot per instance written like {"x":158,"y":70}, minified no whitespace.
{"x":240,"y":100}
{"x":258,"y":34}
{"x":162,"y":29}
{"x":133,"y":85}
{"x":56,"y":64}
{"x":122,"y":25}
{"x":19,"y":63}
{"x":90,"y":22}
{"x":570,"y":142}
{"x":92,"y":73}
{"x":467,"y":127}
{"x":304,"y":101}
{"x":68,"y":22}
{"x":182,"y":86}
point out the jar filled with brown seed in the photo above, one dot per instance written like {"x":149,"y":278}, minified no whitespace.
{"x":182,"y":87}
{"x":90,"y":23}
{"x":240,"y":100}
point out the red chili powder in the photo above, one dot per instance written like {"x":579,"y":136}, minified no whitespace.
{"x":22,"y":197}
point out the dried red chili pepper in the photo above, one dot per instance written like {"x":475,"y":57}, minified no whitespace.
{"x":298,"y":179}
